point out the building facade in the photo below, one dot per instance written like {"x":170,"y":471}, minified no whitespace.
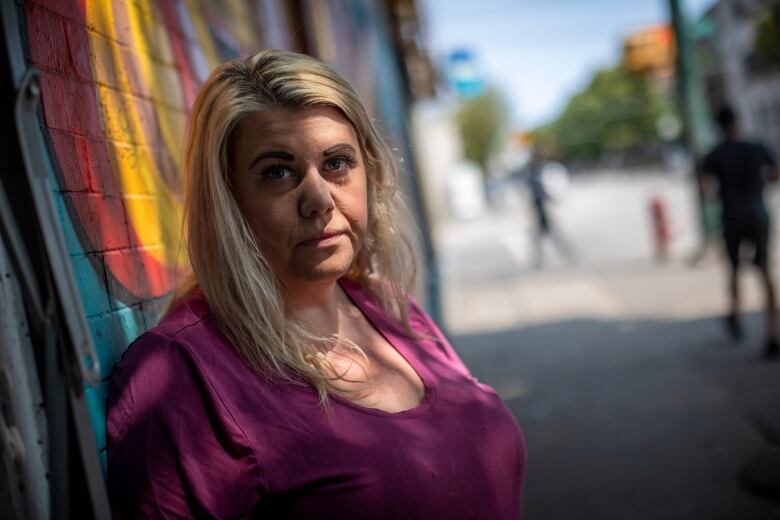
{"x":740,"y":74}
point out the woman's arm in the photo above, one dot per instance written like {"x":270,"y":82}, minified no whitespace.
{"x":174,"y":451}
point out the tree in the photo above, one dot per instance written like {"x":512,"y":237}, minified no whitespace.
{"x":616,"y":112}
{"x":482,"y":121}
{"x":767,"y":40}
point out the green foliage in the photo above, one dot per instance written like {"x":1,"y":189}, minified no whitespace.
{"x":767,"y":42}
{"x":482,"y":121}
{"x":616,"y":112}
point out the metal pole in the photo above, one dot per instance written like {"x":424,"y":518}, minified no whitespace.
{"x":698,"y":134}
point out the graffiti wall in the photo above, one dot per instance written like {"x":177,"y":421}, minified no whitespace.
{"x":118,"y":78}
{"x":117,"y":81}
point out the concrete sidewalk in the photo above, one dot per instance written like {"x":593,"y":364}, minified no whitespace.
{"x":633,"y":419}
{"x":634,"y":403}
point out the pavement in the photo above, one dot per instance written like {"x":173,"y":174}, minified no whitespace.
{"x":634,"y":402}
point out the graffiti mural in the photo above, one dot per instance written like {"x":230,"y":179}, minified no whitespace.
{"x":117,"y":81}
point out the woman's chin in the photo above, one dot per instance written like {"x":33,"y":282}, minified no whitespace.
{"x":327,"y":271}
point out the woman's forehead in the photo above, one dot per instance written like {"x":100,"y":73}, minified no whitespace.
{"x":291,"y":125}
{"x":318,"y":115}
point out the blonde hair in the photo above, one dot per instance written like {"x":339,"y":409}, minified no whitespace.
{"x":235,"y":278}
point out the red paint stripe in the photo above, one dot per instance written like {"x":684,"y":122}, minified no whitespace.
{"x":70,"y":103}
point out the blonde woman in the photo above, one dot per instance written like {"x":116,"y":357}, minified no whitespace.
{"x":294,"y":377}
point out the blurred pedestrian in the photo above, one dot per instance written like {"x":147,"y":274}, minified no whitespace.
{"x":741,"y":168}
{"x":295,"y":377}
{"x":538,"y":179}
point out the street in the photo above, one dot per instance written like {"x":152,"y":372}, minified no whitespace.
{"x":634,"y":402}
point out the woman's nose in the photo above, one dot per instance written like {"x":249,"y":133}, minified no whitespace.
{"x":316,"y":198}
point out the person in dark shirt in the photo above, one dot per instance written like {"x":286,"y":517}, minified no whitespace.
{"x":741,"y":168}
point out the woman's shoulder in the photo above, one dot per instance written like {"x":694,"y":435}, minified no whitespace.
{"x":168,"y":388}
{"x":184,"y":344}
{"x":183,"y":363}
{"x":192,"y":310}
{"x":421,"y":325}
{"x":162,"y":353}
{"x":187,"y":325}
{"x":368,"y":295}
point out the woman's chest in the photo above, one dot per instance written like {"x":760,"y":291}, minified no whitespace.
{"x":458,"y":454}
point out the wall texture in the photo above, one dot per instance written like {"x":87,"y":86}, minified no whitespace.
{"x":118,"y":79}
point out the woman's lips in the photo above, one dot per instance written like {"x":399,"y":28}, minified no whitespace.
{"x":323,"y":240}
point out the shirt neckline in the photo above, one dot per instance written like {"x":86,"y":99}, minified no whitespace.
{"x":356,"y":294}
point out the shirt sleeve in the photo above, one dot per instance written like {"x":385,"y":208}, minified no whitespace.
{"x":174,"y":450}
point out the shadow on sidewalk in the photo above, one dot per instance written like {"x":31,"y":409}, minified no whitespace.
{"x":635,"y":419}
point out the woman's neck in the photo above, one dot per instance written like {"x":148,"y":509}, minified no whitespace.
{"x":319,"y":304}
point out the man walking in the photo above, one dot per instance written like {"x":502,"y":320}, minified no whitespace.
{"x":741,"y":168}
{"x":538,"y":181}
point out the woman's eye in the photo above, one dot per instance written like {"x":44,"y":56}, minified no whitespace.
{"x":339,"y":164}
{"x":277,"y":172}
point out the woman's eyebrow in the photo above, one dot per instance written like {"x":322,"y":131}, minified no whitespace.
{"x":285,"y":156}
{"x":338,"y":148}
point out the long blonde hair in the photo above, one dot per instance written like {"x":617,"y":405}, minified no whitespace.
{"x":235,"y":278}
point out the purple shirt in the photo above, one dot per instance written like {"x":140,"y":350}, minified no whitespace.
{"x":192,"y":431}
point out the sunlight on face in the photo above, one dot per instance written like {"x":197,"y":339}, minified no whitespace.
{"x":299,"y":178}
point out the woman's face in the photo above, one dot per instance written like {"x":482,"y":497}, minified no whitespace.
{"x":299,"y":178}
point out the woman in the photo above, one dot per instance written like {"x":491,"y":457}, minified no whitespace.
{"x":295,"y":378}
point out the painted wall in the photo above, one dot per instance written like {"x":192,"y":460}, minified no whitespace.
{"x":118,"y":78}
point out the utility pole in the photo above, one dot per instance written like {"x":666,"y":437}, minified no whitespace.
{"x":696,"y":121}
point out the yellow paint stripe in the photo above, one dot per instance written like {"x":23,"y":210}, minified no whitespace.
{"x":158,"y":218}
{"x":164,"y":82}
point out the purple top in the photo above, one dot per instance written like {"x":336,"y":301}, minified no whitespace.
{"x":192,"y":431}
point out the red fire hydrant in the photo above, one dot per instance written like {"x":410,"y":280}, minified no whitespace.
{"x":661,"y":231}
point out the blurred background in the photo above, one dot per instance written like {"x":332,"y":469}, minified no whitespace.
{"x":601,"y":322}
{"x":550,"y":152}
